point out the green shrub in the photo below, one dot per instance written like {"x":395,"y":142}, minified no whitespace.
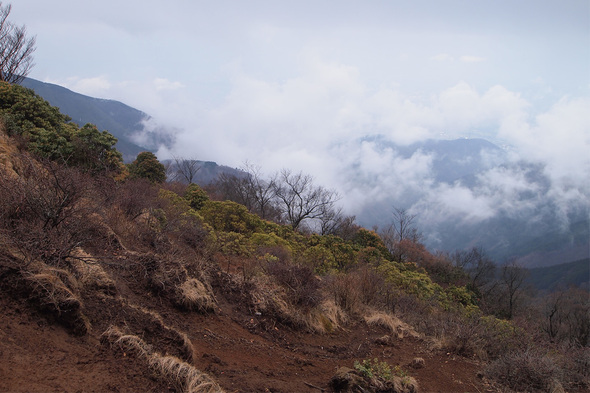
{"x":233,"y":243}
{"x":196,"y":196}
{"x":320,"y":259}
{"x":50,"y":134}
{"x":230,"y":217}
{"x":375,"y":369}
{"x":365,"y":238}
{"x":410,"y":280}
{"x":147,"y":166}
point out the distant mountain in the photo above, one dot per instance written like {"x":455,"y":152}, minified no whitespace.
{"x":207,"y":172}
{"x":117,"y":118}
{"x":525,"y":222}
{"x":562,"y":276}
{"x":452,"y":160}
{"x":121,"y":120}
{"x":458,"y":158}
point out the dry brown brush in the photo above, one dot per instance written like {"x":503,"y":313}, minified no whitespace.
{"x":183,"y":376}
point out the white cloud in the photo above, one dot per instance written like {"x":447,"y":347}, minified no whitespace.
{"x":98,"y":86}
{"x":313,"y":121}
{"x":442,"y":57}
{"x":448,"y":202}
{"x":165,"y":84}
{"x":472,"y":59}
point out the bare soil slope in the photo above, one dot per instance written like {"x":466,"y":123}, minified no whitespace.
{"x":242,"y":352}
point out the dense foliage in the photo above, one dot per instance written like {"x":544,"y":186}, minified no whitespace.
{"x":49,"y":134}
{"x":147,"y":166}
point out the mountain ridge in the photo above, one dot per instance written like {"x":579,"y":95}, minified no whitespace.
{"x":119,"y":119}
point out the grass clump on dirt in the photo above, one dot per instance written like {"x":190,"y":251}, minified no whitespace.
{"x":372,"y":375}
{"x":183,"y":376}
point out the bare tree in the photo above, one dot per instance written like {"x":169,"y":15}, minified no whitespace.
{"x":401,"y":234}
{"x":480,"y":268}
{"x":512,"y":279}
{"x":566,"y":316}
{"x":262,"y":191}
{"x":185,"y":169}
{"x":300,"y":200}
{"x":330,"y":221}
{"x":233,"y":188}
{"x":553,"y":317}
{"x":403,"y":225}
{"x":16,"y":49}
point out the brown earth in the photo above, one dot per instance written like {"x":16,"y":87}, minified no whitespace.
{"x":244,"y":353}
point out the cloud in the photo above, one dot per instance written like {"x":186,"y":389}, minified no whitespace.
{"x":443,"y":57}
{"x":165,"y":84}
{"x":559,"y":137}
{"x":98,"y":86}
{"x":329,"y":103}
{"x":326,"y":120}
{"x":471,"y":59}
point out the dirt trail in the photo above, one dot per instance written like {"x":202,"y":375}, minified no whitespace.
{"x":39,"y":356}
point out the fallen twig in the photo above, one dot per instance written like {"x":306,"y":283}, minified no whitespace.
{"x":314,"y":387}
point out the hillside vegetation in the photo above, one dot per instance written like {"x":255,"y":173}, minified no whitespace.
{"x":121,"y":120}
{"x":165,"y":287}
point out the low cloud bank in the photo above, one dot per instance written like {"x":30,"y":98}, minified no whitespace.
{"x":365,"y":141}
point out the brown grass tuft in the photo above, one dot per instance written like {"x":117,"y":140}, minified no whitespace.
{"x":192,"y":294}
{"x":56,"y":289}
{"x":183,"y":376}
{"x":391,"y":323}
{"x":90,"y":273}
{"x":180,"y":338}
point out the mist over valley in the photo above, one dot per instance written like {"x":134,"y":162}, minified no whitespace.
{"x":466,"y":192}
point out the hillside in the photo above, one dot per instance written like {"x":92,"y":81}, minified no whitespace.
{"x":111,"y":282}
{"x":575,"y":273}
{"x":103,"y":300}
{"x":117,"y":118}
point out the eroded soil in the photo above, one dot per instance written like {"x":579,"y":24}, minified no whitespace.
{"x":242,"y":352}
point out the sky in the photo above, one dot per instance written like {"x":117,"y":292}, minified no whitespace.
{"x":298,"y":84}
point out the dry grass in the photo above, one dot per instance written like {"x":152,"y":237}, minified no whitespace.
{"x":127,"y":342}
{"x":186,"y":346}
{"x":51,"y":290}
{"x":332,"y":316}
{"x":176,"y":279}
{"x":56,"y":289}
{"x":183,"y":376}
{"x":529,"y":370}
{"x":269,"y":298}
{"x":192,"y":294}
{"x":374,"y":377}
{"x":8,"y":154}
{"x":90,"y":273}
{"x":390,"y":322}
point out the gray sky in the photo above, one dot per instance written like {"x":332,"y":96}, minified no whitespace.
{"x":293,"y":84}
